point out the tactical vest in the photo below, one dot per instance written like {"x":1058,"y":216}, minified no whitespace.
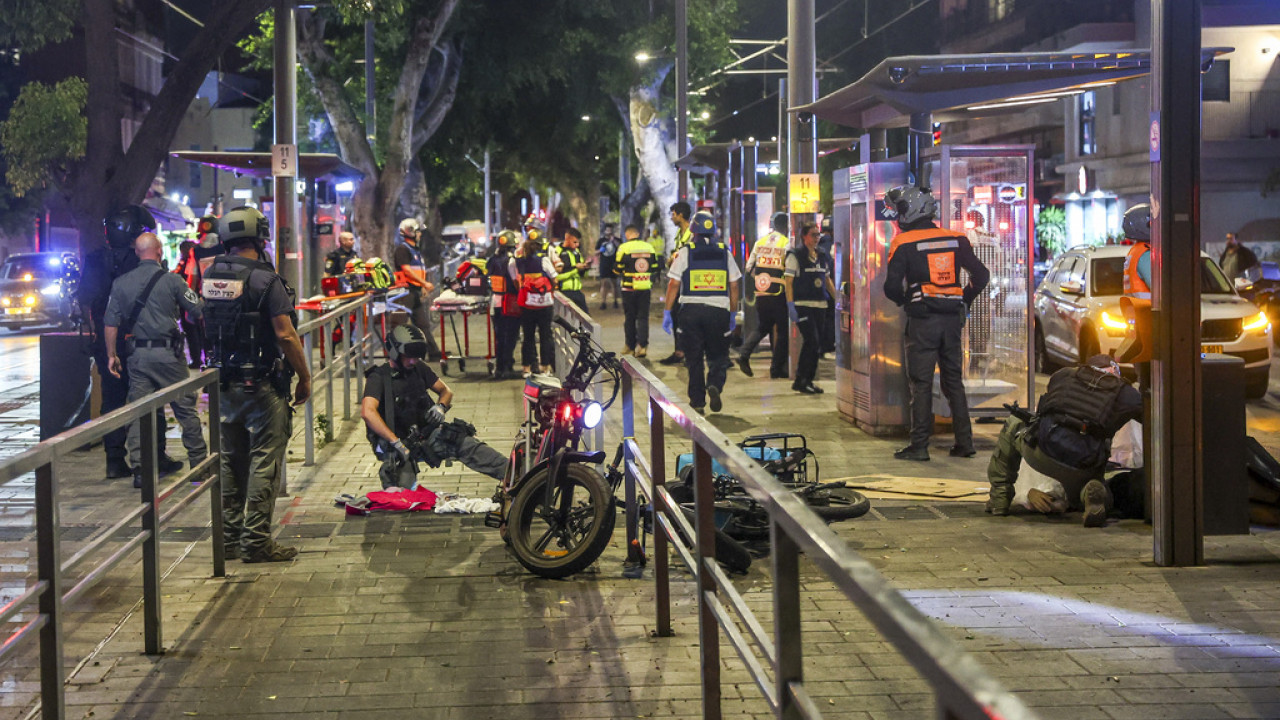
{"x":770,"y":254}
{"x":637,"y":265}
{"x":707,"y":273}
{"x":1134,"y":285}
{"x":1085,"y":404}
{"x":241,"y":337}
{"x":570,"y":278}
{"x":810,"y":282}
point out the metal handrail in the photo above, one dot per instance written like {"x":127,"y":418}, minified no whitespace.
{"x":355,"y":316}
{"x":567,"y":348}
{"x":962,"y":688}
{"x":51,"y":570}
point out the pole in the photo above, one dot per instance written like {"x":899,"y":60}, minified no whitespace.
{"x":801,"y":86}
{"x":488,"y":200}
{"x":370,"y":108}
{"x":285,"y":218}
{"x":682,"y":93}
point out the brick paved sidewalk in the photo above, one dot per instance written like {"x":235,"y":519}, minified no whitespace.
{"x":426,"y":616}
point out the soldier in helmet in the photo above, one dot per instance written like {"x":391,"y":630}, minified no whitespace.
{"x":399,"y":411}
{"x":505,"y":307}
{"x":253,"y":342}
{"x":923,"y":276}
{"x":101,"y":268}
{"x":703,"y":278}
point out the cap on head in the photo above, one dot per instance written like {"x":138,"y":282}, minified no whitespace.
{"x":241,"y":225}
{"x":1137,"y":222}
{"x":911,"y":203}
{"x":124,"y":226}
{"x":702,"y":223}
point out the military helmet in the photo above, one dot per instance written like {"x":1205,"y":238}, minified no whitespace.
{"x":241,"y":224}
{"x":1137,"y":222}
{"x":703,"y":223}
{"x":406,"y":341}
{"x":911,"y":204}
{"x":508,"y":239}
{"x":124,"y":226}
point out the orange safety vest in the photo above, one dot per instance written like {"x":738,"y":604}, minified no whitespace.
{"x":1136,"y":307}
{"x":938,"y":248}
{"x":1134,"y":285}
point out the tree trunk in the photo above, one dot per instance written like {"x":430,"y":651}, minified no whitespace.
{"x":653,"y":134}
{"x":632,"y":210}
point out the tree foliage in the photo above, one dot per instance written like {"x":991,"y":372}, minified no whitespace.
{"x":44,"y":134}
{"x":32,"y":24}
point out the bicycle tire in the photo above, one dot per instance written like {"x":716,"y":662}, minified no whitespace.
{"x":838,"y":503}
{"x":531,"y":532}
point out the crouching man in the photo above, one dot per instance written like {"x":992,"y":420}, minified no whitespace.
{"x":406,"y":425}
{"x":1069,"y":440}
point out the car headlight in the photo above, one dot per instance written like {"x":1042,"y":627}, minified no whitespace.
{"x":5,"y":301}
{"x":30,"y":300}
{"x":1257,"y":322}
{"x":50,"y":290}
{"x":1114,"y":324}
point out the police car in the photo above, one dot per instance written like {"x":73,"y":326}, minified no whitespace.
{"x":1077,"y":314}
{"x":38,"y":289}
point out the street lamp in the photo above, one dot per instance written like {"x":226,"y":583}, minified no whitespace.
{"x":643,"y":57}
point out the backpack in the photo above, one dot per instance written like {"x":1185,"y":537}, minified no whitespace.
{"x":535,"y":291}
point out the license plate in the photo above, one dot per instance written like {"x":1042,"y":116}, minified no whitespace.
{"x":17,"y":311}
{"x":1211,"y":349}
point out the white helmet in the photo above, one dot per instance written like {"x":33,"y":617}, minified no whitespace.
{"x":911,"y":204}
{"x":1137,"y":222}
{"x":410,"y":226}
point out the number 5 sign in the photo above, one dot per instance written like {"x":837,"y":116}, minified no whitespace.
{"x":284,"y":160}
{"x":803,"y":193}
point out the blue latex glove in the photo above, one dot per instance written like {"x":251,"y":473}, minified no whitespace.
{"x":667,"y":323}
{"x":791,"y":312}
{"x":733,"y":321}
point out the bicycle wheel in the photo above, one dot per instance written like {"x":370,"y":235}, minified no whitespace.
{"x":837,"y":503}
{"x":554,"y":546}
{"x":729,"y":552}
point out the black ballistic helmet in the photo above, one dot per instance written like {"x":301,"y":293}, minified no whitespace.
{"x":124,"y":226}
{"x":406,"y":340}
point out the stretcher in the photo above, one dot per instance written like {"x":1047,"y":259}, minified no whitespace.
{"x":450,"y":306}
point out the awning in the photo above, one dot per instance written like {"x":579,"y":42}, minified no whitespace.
{"x":311,"y":166}
{"x":714,"y":157}
{"x":900,"y":86}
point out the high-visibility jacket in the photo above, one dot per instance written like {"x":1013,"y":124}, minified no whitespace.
{"x":634,"y":262}
{"x":928,"y":261}
{"x":569,"y":278}
{"x":1135,"y":305}
{"x":768,"y":261}
{"x":1134,"y":285}
{"x":684,"y":239}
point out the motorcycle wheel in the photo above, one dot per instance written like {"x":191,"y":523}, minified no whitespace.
{"x":551,"y":547}
{"x":729,"y":552}
{"x":837,"y":503}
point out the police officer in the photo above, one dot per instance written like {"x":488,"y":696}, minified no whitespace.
{"x":808,"y":286}
{"x":923,"y":275}
{"x":505,"y":308}
{"x":680,"y":214}
{"x":767,"y":260}
{"x":635,"y":262}
{"x":101,"y":268}
{"x":1070,"y":441}
{"x":407,"y":258}
{"x":704,"y":279}
{"x":335,"y":263}
{"x":396,"y":401}
{"x":249,"y":322}
{"x":570,"y":265}
{"x":145,"y":307}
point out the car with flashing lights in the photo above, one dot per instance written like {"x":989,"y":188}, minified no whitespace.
{"x":1077,"y":314}
{"x":38,"y":289}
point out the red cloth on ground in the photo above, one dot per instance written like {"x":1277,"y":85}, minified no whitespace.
{"x":403,"y":501}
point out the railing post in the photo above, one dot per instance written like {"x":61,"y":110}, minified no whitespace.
{"x":786,"y":620}
{"x":151,"y":544}
{"x":49,"y":571}
{"x":326,"y":339}
{"x":309,"y":412}
{"x":215,"y":493}
{"x":705,"y":552}
{"x":349,"y":333}
{"x":658,"y":464}
{"x":633,"y":567}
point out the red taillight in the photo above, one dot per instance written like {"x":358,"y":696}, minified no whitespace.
{"x":566,"y":412}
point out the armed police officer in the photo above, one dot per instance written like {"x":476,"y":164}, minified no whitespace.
{"x":1069,"y":439}
{"x":249,"y":322}
{"x":635,"y":262}
{"x":145,"y":307}
{"x":767,"y":261}
{"x":101,"y":268}
{"x":335,"y":263}
{"x":923,"y":276}
{"x":505,"y":307}
{"x":704,"y":280}
{"x":406,"y":425}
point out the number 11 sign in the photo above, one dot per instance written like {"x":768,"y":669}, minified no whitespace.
{"x":803,"y":193}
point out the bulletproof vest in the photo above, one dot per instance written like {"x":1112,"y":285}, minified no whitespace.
{"x":101,"y":268}
{"x":570,"y":278}
{"x":1086,"y":402}
{"x":770,"y":252}
{"x":707,"y":274}
{"x":239,"y":330}
{"x":810,"y":281}
{"x":637,"y":265}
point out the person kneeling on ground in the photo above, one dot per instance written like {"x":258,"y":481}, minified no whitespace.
{"x":1068,"y":438}
{"x":405,"y":425}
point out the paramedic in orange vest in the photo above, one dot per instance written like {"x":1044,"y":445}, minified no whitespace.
{"x":505,"y":307}
{"x":923,"y":276}
{"x":1136,"y":302}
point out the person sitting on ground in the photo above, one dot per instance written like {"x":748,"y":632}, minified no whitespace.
{"x":405,"y":425}
{"x":1068,"y":438}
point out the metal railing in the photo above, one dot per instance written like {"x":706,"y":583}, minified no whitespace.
{"x":356,"y":318}
{"x":567,"y":349}
{"x":52,"y":572}
{"x":775,"y":659}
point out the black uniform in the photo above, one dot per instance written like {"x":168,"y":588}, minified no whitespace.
{"x":335,"y":263}
{"x":809,"y":291}
{"x":241,"y":298}
{"x":505,"y":311}
{"x":923,"y":275}
{"x":705,"y":271}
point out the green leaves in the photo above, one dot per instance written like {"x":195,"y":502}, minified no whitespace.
{"x":32,"y":24}
{"x":45,"y":130}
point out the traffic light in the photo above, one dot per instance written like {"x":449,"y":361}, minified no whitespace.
{"x":937,"y":134}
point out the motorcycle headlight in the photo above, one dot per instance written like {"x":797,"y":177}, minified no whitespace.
{"x":591,"y":415}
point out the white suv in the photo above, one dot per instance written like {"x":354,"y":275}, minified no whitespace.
{"x":1077,"y":309}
